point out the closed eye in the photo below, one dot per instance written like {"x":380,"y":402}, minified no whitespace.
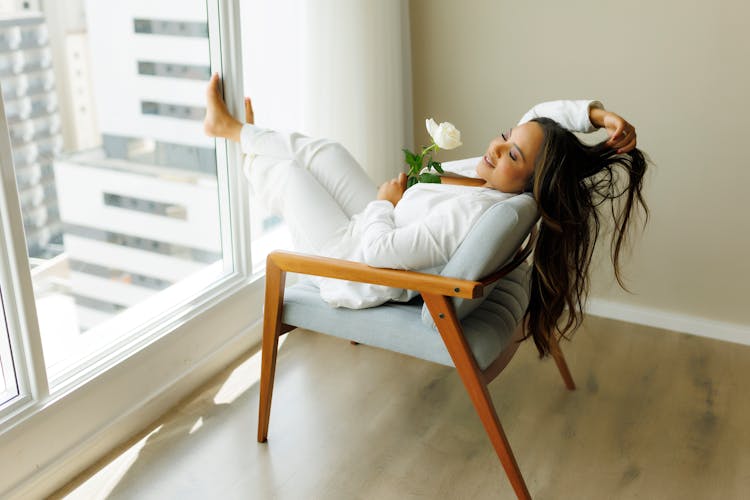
{"x":510,"y":152}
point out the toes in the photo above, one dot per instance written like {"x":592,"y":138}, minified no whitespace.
{"x":213,"y":85}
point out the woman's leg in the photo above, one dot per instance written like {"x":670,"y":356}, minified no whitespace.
{"x":316,"y":185}
{"x":330,"y":164}
{"x":334,"y":167}
{"x":285,"y":189}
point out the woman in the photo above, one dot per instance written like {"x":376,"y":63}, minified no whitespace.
{"x":332,"y":208}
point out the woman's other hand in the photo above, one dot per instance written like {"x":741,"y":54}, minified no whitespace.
{"x":622,"y":136}
{"x":393,"y":190}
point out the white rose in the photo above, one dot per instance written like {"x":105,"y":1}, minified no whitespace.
{"x":445,"y":135}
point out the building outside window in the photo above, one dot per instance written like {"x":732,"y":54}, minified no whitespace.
{"x":127,"y":270}
{"x":117,"y":183}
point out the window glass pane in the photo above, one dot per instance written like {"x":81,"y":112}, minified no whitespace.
{"x":269,"y":233}
{"x":8,"y":383}
{"x":117,"y":182}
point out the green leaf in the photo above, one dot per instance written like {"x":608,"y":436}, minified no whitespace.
{"x":410,"y":182}
{"x":437,"y":166}
{"x":410,"y":157}
{"x":429,"y":178}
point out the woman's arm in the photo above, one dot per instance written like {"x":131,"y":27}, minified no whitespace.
{"x":573,"y":115}
{"x":394,"y":189}
{"x":423,"y":244}
{"x":460,"y":180}
{"x":427,"y":242}
{"x":587,"y":116}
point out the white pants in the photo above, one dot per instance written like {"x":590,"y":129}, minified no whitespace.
{"x":315,"y":185}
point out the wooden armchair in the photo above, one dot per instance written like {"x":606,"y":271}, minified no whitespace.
{"x":477,"y":320}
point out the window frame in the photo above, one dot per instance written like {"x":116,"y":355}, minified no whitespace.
{"x":7,"y":366}
{"x":165,"y":359}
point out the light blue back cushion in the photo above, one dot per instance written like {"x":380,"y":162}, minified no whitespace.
{"x":492,"y":242}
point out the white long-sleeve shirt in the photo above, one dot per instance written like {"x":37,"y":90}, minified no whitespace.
{"x":425,"y":228}
{"x":420,"y":233}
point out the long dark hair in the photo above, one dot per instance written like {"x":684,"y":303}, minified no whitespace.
{"x":571,"y":181}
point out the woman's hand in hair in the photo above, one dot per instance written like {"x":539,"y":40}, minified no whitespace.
{"x":393,"y":190}
{"x":622,"y":136}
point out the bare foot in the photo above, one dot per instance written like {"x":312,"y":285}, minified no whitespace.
{"x":219,"y":122}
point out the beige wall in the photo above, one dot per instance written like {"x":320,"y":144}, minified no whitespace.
{"x":679,"y":71}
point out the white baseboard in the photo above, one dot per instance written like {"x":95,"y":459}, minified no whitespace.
{"x":683,"y":323}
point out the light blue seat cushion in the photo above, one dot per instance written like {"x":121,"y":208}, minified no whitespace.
{"x":492,"y":242}
{"x":399,"y":327}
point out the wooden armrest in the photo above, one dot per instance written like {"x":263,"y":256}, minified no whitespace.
{"x":354,"y":271}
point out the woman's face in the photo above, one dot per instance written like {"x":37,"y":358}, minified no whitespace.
{"x":509,"y":161}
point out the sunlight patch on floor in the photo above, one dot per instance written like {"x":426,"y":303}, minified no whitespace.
{"x":242,"y":378}
{"x":197,"y":425}
{"x":103,"y":483}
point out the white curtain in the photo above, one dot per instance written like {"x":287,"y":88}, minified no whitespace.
{"x":356,"y":79}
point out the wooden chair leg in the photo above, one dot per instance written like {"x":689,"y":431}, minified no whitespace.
{"x":272,"y":329}
{"x":561,"y":364}
{"x":442,"y":312}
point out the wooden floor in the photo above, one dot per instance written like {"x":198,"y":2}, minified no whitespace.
{"x":657,"y":415}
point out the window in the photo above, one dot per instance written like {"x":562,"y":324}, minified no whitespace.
{"x":119,"y":188}
{"x":89,"y":182}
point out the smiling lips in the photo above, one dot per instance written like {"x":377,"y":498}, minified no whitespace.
{"x":488,"y":162}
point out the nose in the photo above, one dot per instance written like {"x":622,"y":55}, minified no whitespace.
{"x":498,"y":147}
